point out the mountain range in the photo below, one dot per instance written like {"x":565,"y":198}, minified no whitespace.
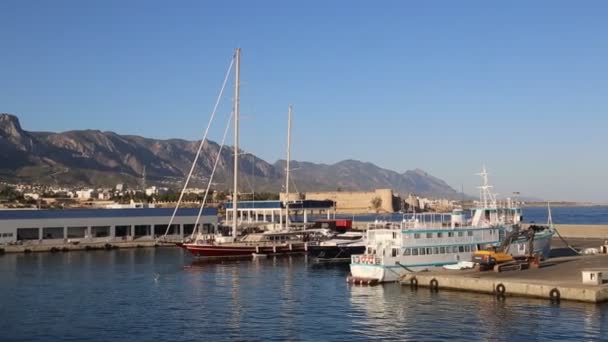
{"x":95,"y":158}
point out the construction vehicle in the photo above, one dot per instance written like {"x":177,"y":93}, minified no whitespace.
{"x":500,"y":260}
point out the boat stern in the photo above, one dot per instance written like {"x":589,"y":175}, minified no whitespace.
{"x":366,"y":269}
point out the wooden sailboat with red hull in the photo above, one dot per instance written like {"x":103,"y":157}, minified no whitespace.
{"x":269,"y":243}
{"x":236,"y":250}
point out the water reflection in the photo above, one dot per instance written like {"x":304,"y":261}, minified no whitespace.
{"x":394,"y":310}
{"x":282,"y":298}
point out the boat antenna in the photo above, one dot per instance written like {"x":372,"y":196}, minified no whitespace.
{"x":143,"y":180}
{"x":484,"y":190}
{"x":287,"y":166}
{"x":549,"y":216}
{"x":235,"y":195}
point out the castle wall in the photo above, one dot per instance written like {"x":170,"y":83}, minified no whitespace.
{"x":355,"y":201}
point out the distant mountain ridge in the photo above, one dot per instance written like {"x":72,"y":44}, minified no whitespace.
{"x":95,"y":158}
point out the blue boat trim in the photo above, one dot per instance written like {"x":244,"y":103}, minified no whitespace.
{"x":443,"y":230}
{"x":455,"y":244}
{"x":433,"y":264}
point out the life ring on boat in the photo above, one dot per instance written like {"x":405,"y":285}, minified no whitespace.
{"x":554,"y":295}
{"x":500,"y":289}
{"x":434,"y":284}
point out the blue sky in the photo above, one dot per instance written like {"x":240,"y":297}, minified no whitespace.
{"x":444,"y":86}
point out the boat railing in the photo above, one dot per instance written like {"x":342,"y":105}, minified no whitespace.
{"x":417,"y":221}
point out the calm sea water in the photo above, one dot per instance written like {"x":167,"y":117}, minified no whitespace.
{"x":162,"y":294}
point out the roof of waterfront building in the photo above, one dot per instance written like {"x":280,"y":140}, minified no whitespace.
{"x":305,"y":204}
{"x":29,"y":214}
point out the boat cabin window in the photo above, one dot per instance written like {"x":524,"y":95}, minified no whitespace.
{"x":439,"y":235}
{"x":394,"y":252}
{"x":414,"y":251}
{"x":407,"y":252}
{"x":450,"y":234}
{"x":460,"y":234}
{"x":416,"y":235}
{"x":429,"y":235}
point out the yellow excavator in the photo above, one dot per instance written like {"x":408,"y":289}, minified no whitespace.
{"x":499,"y":259}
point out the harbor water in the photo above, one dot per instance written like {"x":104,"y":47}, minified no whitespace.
{"x":164,"y":294}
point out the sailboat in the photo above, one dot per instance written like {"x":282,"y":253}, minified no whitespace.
{"x":233,"y":245}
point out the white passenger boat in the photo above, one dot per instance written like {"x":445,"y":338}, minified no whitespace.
{"x":422,"y":241}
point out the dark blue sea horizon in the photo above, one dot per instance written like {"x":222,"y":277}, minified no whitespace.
{"x":561,"y":215}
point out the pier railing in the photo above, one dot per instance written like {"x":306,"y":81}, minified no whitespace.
{"x":419,"y":221}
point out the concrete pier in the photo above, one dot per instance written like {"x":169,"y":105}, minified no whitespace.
{"x":82,"y":246}
{"x":556,"y":279}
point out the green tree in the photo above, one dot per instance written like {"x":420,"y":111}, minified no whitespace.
{"x":376,"y":203}
{"x":220,"y":196}
{"x":9,"y":194}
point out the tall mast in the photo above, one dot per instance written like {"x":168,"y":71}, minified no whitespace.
{"x":237,"y":57}
{"x":287,"y":168}
{"x":484,"y":191}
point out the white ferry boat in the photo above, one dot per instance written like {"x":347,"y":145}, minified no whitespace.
{"x":423,"y":241}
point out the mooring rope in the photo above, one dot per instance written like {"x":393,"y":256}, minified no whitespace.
{"x":566,"y":242}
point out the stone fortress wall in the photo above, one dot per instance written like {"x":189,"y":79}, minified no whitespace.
{"x":354,"y":202}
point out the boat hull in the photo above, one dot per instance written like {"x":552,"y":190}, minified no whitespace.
{"x":393,"y":269}
{"x":334,"y":253}
{"x":541,"y":245}
{"x":234,"y":250}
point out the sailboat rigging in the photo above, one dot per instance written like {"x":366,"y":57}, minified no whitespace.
{"x":269,"y":242}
